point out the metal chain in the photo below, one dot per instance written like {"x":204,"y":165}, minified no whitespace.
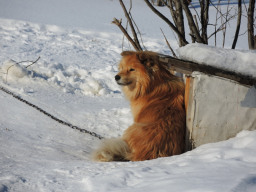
{"x":50,"y":115}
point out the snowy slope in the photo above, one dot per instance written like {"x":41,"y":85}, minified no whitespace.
{"x":73,"y":80}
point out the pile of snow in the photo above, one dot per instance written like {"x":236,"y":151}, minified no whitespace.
{"x":76,"y":79}
{"x":239,"y":61}
{"x":70,"y":79}
{"x":12,"y":71}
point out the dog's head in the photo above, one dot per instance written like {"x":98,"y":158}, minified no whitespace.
{"x":140,"y":72}
{"x":136,"y":68}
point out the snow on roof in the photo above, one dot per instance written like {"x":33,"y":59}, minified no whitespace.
{"x":243,"y":62}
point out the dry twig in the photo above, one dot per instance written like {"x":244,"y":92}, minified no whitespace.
{"x":119,"y":24}
{"x":168,"y":44}
{"x":136,"y":40}
{"x":32,"y":63}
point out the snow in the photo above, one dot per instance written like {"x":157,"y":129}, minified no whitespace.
{"x":239,"y":61}
{"x":74,"y":80}
{"x":13,"y":70}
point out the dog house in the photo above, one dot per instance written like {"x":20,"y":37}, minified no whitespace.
{"x":219,"y":103}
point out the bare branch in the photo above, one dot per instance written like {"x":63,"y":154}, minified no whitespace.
{"x":216,"y":21}
{"x":221,"y":27}
{"x":192,"y":25}
{"x":33,"y":62}
{"x":216,"y":31}
{"x":168,"y":44}
{"x":177,"y":16}
{"x":119,"y":24}
{"x":197,"y":26}
{"x":225,"y":25}
{"x":126,"y":28}
{"x":136,"y":41}
{"x":137,"y":29}
{"x":245,"y":7}
{"x":238,"y":23}
{"x":7,"y":71}
{"x":251,"y":41}
{"x":217,"y":8}
{"x":196,"y":12}
{"x":180,"y":19}
{"x":171,"y":25}
{"x":204,"y":18}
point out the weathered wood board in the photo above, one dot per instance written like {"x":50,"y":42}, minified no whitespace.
{"x":217,"y":109}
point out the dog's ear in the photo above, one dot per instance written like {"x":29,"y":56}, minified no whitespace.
{"x":126,"y":53}
{"x":147,"y":58}
{"x":142,"y":57}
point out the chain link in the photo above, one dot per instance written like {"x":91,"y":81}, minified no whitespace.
{"x":50,"y":115}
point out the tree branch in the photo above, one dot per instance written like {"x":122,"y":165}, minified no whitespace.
{"x":184,"y":41}
{"x":168,"y":44}
{"x":119,"y":24}
{"x":136,"y":41}
{"x":238,"y":23}
{"x":204,"y":18}
{"x":192,"y":25}
{"x":225,"y":27}
{"x":250,"y":24}
{"x":33,"y":62}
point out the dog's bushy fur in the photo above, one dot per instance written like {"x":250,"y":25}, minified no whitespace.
{"x":157,"y":103}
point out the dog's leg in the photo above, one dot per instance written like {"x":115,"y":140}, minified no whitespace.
{"x":115,"y":149}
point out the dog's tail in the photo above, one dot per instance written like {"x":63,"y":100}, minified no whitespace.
{"x":115,"y":149}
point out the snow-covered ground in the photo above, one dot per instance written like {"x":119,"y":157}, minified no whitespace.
{"x":73,"y":79}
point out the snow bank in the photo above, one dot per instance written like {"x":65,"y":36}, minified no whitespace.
{"x":75,"y":79}
{"x":13,"y":71}
{"x":243,"y":62}
{"x":224,"y":166}
{"x":69,"y":79}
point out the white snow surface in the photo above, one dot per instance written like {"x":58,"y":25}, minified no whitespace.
{"x":239,"y":61}
{"x":74,"y":80}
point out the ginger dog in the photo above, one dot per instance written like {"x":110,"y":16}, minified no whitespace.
{"x":157,"y":103}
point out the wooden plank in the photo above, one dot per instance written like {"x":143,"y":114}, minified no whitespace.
{"x":190,"y":111}
{"x":187,"y":67}
{"x":188,"y":78}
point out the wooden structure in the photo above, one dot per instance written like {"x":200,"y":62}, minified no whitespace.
{"x":188,"y":67}
{"x":219,"y":103}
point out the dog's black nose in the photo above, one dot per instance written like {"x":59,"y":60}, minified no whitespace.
{"x":117,"y":77}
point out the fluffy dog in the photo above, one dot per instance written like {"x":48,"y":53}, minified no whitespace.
{"x":157,"y":103}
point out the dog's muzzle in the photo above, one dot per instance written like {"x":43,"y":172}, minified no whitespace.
{"x":119,"y":82}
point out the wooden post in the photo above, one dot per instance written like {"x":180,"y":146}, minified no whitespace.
{"x":188,"y":78}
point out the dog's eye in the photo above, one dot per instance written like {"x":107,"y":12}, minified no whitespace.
{"x":132,"y":69}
